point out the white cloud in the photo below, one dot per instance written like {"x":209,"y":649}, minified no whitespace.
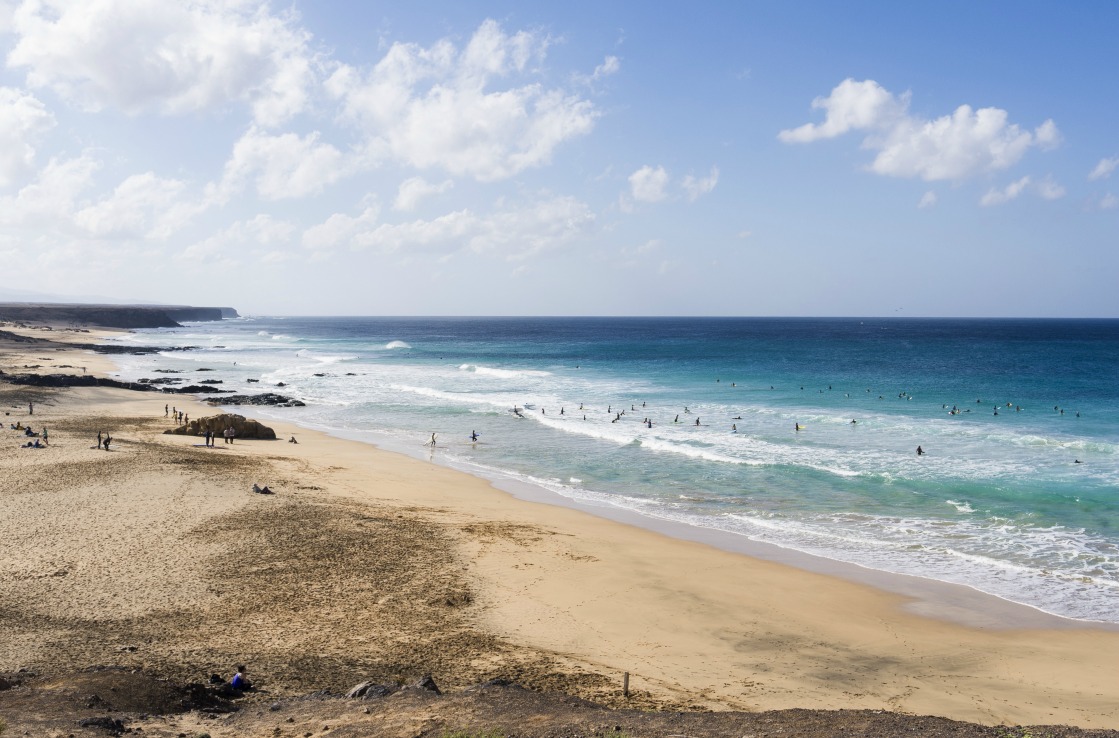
{"x":132,"y":209}
{"x":1008,"y":193}
{"x":224,"y":246}
{"x":414,"y":189}
{"x":340,"y":228}
{"x":510,"y":232}
{"x":433,"y":107}
{"x":648,"y":184}
{"x":1048,"y":189}
{"x":698,"y":187}
{"x":927,"y":200}
{"x":23,"y":119}
{"x":954,"y":147}
{"x":1109,"y":202}
{"x":49,"y":201}
{"x":281,"y":166}
{"x":139,"y":55}
{"x":609,"y":66}
{"x":1104,"y":169}
{"x":852,"y":105}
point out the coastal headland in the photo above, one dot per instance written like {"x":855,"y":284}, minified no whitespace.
{"x":129,"y":576}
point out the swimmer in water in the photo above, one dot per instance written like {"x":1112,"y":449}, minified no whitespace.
{"x":733,"y":427}
{"x":920,"y":451}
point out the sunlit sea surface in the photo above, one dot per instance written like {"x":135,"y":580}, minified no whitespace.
{"x":998,"y":502}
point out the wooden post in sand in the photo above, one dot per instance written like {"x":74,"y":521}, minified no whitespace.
{"x":625,"y":684}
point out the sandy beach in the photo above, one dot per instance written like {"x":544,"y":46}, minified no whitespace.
{"x":369,"y":565}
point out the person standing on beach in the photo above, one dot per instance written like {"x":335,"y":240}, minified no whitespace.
{"x":98,"y":439}
{"x":433,"y":440}
{"x":165,"y":411}
{"x":30,"y":408}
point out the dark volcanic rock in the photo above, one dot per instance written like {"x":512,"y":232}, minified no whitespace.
{"x":194,"y":389}
{"x":210,"y":381}
{"x":265,"y":399}
{"x":74,"y":380}
{"x":244,"y":427}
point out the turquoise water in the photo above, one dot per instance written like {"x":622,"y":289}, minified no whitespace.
{"x":998,"y":502}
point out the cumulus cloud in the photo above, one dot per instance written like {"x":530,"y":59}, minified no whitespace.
{"x":511,"y":232}
{"x":1109,"y":202}
{"x":260,"y":234}
{"x":280,"y":166}
{"x":850,"y":106}
{"x":699,"y":187}
{"x":649,"y":184}
{"x":340,"y":229}
{"x":23,"y":119}
{"x":132,"y":209}
{"x":1008,"y":193}
{"x":442,"y":107}
{"x":414,"y":189}
{"x":963,"y":144}
{"x":141,"y":55}
{"x":1104,"y":169}
{"x":927,"y":200}
{"x":49,"y":201}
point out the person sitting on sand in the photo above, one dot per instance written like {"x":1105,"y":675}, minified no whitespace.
{"x":261,"y":490}
{"x":239,"y":680}
{"x":292,"y":440}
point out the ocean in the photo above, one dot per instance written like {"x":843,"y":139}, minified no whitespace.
{"x":694,"y":420}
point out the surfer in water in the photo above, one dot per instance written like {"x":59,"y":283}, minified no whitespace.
{"x":474,"y":436}
{"x":796,"y":427}
{"x":920,"y":451}
{"x":433,"y":440}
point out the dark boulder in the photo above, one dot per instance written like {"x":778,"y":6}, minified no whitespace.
{"x":267,"y":398}
{"x":217,"y":424}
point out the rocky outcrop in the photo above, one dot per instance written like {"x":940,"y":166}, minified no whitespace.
{"x":195,"y":389}
{"x":267,"y":398}
{"x":243,"y":427}
{"x":73,"y":380}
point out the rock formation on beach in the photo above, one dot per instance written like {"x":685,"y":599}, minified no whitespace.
{"x":244,"y":427}
{"x":267,"y":398}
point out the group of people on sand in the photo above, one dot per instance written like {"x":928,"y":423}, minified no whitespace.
{"x":40,"y":439}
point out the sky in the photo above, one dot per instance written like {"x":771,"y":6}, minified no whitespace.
{"x":576,"y":158}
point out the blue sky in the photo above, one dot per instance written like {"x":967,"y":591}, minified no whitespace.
{"x":577,"y":158}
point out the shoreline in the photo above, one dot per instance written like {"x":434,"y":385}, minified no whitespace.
{"x":593,"y":598}
{"x":929,"y":597}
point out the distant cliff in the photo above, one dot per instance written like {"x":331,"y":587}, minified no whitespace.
{"x":110,"y":316}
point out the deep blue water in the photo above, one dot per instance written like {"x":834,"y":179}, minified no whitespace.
{"x":998,"y":502}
